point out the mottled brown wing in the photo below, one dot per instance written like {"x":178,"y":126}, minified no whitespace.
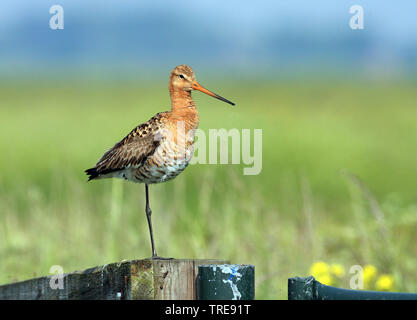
{"x":130,"y":154}
{"x":131,"y":151}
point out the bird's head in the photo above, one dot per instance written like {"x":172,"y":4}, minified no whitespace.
{"x":183,"y":78}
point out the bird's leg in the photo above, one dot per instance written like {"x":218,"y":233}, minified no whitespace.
{"x":148,"y":215}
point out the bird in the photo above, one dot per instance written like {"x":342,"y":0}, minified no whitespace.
{"x":160,"y":149}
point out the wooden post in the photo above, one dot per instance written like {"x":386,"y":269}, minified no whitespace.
{"x":226,"y":282}
{"x":145,"y":279}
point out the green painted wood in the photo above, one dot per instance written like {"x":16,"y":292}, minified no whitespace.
{"x":301,"y":288}
{"x":310,"y":289}
{"x":226,"y":282}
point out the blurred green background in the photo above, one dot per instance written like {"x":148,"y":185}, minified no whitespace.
{"x":303,"y":207}
{"x":339,"y":176}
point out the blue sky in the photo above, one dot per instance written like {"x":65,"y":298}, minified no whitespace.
{"x":117,"y":35}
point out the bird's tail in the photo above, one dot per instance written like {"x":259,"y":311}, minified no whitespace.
{"x":92,"y":173}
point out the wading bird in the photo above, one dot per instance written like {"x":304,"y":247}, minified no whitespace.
{"x":161,"y":148}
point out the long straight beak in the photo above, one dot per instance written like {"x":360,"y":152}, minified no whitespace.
{"x":197,"y":86}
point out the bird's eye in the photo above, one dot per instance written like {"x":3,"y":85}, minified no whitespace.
{"x":181,"y":76}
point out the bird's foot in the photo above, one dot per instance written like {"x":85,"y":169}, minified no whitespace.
{"x":160,"y":258}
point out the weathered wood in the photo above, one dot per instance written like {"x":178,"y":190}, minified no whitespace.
{"x":176,"y":279}
{"x":145,"y":279}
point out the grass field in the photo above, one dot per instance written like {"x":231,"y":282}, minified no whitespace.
{"x":305,"y":205}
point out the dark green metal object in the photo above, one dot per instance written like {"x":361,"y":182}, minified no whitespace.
{"x":226,"y":282}
{"x":310,"y":289}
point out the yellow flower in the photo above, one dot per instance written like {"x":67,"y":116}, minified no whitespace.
{"x":319,"y":268}
{"x":385,"y":282}
{"x":325,"y":279}
{"x":321,"y":272}
{"x":369,"y":274}
{"x":337,"y":270}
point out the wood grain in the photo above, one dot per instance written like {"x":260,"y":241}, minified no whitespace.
{"x":144,"y":279}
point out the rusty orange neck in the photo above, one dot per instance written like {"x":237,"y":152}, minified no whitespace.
{"x":180,"y":99}
{"x":183,"y":108}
